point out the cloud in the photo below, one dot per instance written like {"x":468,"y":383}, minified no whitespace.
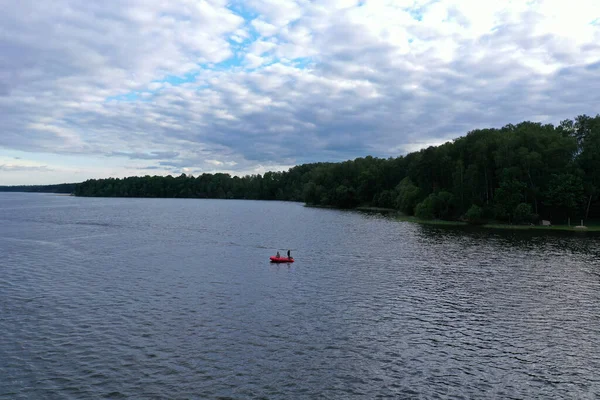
{"x":264,"y":28}
{"x":265,"y":84}
{"x":155,"y":155}
{"x":23,"y":168}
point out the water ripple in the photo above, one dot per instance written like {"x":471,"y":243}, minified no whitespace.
{"x":148,"y":298}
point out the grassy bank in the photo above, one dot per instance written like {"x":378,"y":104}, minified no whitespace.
{"x":592,"y":227}
{"x":588,"y":228}
{"x":407,"y":218}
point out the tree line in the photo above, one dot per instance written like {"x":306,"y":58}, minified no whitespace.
{"x":517,"y":173}
{"x":60,"y":188}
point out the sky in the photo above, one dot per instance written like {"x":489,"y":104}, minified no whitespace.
{"x":116,"y":88}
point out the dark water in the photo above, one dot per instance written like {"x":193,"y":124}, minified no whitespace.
{"x":149,"y":298}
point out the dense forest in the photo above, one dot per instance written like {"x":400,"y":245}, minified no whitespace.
{"x":60,"y":188}
{"x":518,"y":173}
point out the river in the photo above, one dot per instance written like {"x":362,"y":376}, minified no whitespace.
{"x":176,"y":298}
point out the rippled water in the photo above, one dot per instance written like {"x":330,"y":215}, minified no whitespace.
{"x":156,"y":298}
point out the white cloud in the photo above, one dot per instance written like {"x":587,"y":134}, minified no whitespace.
{"x":264,"y":28}
{"x":326,"y":80}
{"x":261,"y":46}
{"x":278,"y":12}
{"x":254,"y":61}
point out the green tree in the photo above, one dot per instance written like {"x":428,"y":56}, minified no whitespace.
{"x":444,"y":205}
{"x":345,"y":197}
{"x":426,"y":208}
{"x":565,"y":194}
{"x":474,"y":214}
{"x":408,"y":196}
{"x":523,"y":213}
{"x":507,"y":197}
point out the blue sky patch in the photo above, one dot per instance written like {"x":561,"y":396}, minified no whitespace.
{"x":231,"y":62}
{"x":178,"y":80}
{"x":416,"y":13}
{"x":127,"y":97}
{"x":302,"y":62}
{"x":240,"y":9}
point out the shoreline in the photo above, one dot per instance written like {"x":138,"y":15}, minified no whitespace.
{"x":492,"y":225}
{"x":498,"y":226}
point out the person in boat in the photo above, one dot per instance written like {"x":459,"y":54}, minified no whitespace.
{"x":277,"y":255}
{"x":289,"y":256}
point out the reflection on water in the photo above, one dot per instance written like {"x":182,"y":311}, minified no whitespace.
{"x":552,"y":242}
{"x":177,"y":299}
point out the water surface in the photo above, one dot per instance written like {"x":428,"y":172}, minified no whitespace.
{"x":175,"y":298}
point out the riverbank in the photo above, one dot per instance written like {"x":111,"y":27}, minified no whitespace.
{"x":594,"y":227}
{"x":397,"y":215}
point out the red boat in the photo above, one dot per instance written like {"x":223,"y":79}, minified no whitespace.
{"x":282,"y":259}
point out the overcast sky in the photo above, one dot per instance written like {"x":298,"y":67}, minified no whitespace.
{"x":92,"y":89}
